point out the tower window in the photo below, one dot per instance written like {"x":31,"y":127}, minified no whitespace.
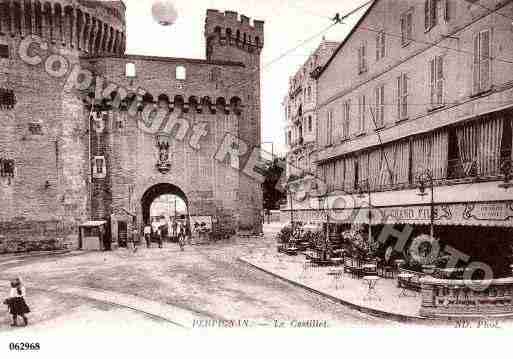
{"x":4,"y":51}
{"x":6,"y":167}
{"x":130,"y":70}
{"x":99,"y":167}
{"x":181,"y":73}
{"x":215,"y":74}
{"x":35,"y":128}
{"x":7,"y":99}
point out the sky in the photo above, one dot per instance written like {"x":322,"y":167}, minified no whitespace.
{"x":287,"y":24}
{"x":165,"y":205}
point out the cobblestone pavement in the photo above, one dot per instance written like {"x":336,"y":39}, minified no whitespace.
{"x":203,"y":282}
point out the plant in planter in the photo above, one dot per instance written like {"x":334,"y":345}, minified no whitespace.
{"x":284,"y":236}
{"x":307,"y":239}
{"x":359,"y":245}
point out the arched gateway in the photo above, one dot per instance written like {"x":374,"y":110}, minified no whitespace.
{"x":156,"y":191}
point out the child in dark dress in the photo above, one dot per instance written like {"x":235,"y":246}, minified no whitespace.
{"x":16,"y":302}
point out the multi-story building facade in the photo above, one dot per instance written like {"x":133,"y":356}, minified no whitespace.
{"x":73,"y":150}
{"x":300,"y":115}
{"x":421,"y":92}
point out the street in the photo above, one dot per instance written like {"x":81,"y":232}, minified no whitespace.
{"x":166,"y":288}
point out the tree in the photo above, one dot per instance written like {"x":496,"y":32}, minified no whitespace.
{"x":272,"y":195}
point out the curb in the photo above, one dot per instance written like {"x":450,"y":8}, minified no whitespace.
{"x":403,"y":318}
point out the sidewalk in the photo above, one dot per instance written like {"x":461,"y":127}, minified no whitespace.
{"x":351,"y":292}
{"x":172,"y":314}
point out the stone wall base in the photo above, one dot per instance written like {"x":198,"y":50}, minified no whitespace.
{"x":32,"y":236}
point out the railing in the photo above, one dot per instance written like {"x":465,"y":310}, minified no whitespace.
{"x":455,"y":172}
{"x":489,"y":167}
{"x":445,"y":297}
{"x":413,"y":282}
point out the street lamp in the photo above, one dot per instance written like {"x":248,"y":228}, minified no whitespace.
{"x":321,"y":199}
{"x":365,"y":189}
{"x":506,"y":170}
{"x":425,"y":179}
{"x":291,"y":206}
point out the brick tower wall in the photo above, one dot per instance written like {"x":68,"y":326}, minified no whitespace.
{"x":237,"y":38}
{"x":45,"y":132}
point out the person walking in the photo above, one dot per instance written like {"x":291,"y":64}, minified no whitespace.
{"x":147,"y":235}
{"x":181,"y":236}
{"x":135,"y":237}
{"x":159,"y":237}
{"x":188,"y":233}
{"x":16,"y":302}
{"x":174,"y":226}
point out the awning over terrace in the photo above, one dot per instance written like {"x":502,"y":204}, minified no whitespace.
{"x":490,"y":214}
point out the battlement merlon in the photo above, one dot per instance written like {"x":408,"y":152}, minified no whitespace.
{"x":231,"y":20}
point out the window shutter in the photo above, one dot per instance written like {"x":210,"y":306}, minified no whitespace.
{"x":362,"y":123}
{"x":427,"y":14}
{"x":440,"y":79}
{"x":348,"y":119}
{"x":476,"y":64}
{"x":344,"y":120}
{"x":484,"y":66}
{"x":447,"y":10}
{"x":378,"y":45}
{"x":409,"y":25}
{"x":382,"y":107}
{"x":434,"y":12}
{"x":383,"y":44}
{"x":360,"y":113}
{"x":399,"y":96}
{"x":405,"y":96}
{"x":364,"y":67}
{"x":432,"y":81}
{"x":403,"y":30}
{"x":359,"y":51}
{"x":376,"y":113}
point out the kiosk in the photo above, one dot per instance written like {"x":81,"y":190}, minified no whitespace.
{"x":92,"y":236}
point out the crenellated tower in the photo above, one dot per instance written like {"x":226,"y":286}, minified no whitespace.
{"x":238,"y":39}
{"x":230,"y":38}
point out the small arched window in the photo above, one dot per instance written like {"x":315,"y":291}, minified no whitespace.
{"x":181,"y":73}
{"x":228,"y":33}
{"x":130,"y":70}
{"x":215,"y":74}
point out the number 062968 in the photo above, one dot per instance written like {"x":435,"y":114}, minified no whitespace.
{"x":24,"y":346}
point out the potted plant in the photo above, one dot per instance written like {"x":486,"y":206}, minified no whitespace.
{"x":283,"y":237}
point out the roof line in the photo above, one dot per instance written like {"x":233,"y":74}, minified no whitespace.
{"x":165,"y":59}
{"x":335,"y":53}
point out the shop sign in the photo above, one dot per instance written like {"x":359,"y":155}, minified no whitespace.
{"x":488,"y":211}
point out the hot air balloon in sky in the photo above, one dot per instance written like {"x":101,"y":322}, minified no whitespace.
{"x":164,"y":12}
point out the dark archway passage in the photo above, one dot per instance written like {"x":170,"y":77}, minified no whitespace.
{"x":156,"y":191}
